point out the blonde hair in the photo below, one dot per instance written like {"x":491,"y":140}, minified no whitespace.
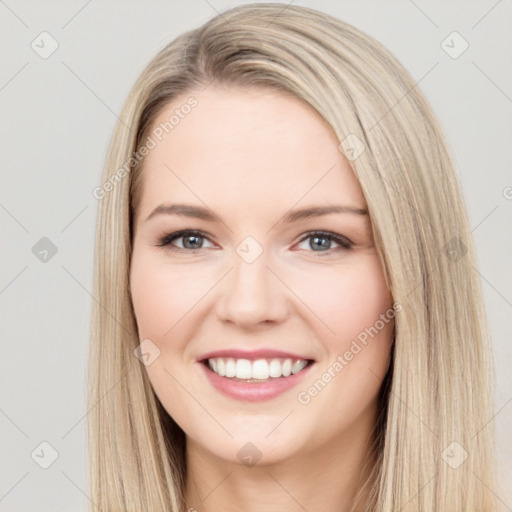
{"x":439,"y":392}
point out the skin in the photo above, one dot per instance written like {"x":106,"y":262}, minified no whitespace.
{"x":252,"y":155}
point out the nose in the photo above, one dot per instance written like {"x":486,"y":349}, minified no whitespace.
{"x":252,"y":294}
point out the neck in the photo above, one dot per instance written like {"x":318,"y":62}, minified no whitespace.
{"x":325,"y":479}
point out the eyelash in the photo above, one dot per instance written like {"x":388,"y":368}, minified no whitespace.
{"x":165,"y":241}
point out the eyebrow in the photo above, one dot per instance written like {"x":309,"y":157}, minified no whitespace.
{"x":202,"y":213}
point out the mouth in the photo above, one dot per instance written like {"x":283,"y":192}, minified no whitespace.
{"x":255,"y":380}
{"x":256,"y":371}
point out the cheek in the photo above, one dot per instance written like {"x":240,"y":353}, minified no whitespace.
{"x":350,"y":301}
{"x":162,"y":295}
{"x":346,"y":299}
{"x":162,"y":298}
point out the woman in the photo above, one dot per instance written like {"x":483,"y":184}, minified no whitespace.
{"x":233,"y":366}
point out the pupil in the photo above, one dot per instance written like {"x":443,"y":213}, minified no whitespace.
{"x":191,"y":246}
{"x":326,"y":240}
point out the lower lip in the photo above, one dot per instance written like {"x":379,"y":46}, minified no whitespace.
{"x":254,"y":391}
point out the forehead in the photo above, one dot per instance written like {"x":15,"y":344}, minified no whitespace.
{"x":250,"y":145}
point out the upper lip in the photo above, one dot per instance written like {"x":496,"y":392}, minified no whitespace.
{"x":252,"y":355}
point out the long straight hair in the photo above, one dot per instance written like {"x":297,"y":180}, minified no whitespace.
{"x":434,"y":441}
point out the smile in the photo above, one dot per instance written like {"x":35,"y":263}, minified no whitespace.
{"x":259,"y":370}
{"x":257,"y":379}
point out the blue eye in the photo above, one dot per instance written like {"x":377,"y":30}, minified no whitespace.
{"x":324,"y":239}
{"x":192,"y":240}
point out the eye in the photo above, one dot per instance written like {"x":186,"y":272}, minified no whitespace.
{"x":322,"y":240}
{"x":190,"y":240}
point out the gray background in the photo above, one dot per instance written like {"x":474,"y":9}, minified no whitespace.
{"x":58,"y":114}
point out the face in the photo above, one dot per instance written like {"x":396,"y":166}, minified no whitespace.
{"x":241,"y":281}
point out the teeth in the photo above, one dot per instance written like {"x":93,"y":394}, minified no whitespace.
{"x":275,"y":368}
{"x":221,"y":367}
{"x":260,"y":369}
{"x":230,"y":368}
{"x":287,"y":367}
